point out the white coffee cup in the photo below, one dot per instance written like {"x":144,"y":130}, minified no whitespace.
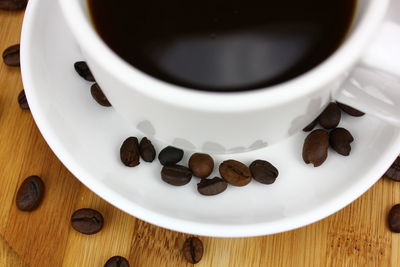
{"x":218,"y":122}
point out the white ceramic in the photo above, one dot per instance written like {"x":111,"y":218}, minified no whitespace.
{"x":223,"y":122}
{"x":86,"y":138}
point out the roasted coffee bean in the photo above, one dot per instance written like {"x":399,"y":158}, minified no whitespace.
{"x":22,"y":101}
{"x":394,"y":171}
{"x":147,"y":150}
{"x":235,"y":173}
{"x":349,"y":110}
{"x":311,"y":126}
{"x":83,"y":70}
{"x":30,"y":193}
{"x":211,"y":187}
{"x":13,"y":4}
{"x":263,"y":171}
{"x":394,"y":219}
{"x":176,"y":175}
{"x":99,"y":96}
{"x":170,"y":155}
{"x":340,"y":140}
{"x":315,"y":148}
{"x":11,"y":55}
{"x":87,"y":221}
{"x":330,"y":117}
{"x":193,"y":250}
{"x":129,"y":152}
{"x":117,"y":261}
{"x":201,"y":165}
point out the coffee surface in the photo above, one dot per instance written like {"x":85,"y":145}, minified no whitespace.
{"x":223,"y":45}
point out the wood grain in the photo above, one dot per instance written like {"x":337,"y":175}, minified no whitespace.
{"x":355,"y":236}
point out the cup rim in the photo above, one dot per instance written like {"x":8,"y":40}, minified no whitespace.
{"x":343,"y":58}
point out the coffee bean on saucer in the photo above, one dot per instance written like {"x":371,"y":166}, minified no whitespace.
{"x":170,"y":155}
{"x":99,"y":96}
{"x":330,"y":117}
{"x":13,"y":4}
{"x":201,"y":165}
{"x":147,"y":150}
{"x":235,"y":173}
{"x":11,"y":55}
{"x":129,"y":152}
{"x":176,"y":175}
{"x":211,"y":187}
{"x":263,"y":171}
{"x":394,"y":219}
{"x":87,"y":221}
{"x":340,"y":140}
{"x":193,"y":250}
{"x":315,"y":148}
{"x":349,"y":110}
{"x":394,"y":171}
{"x":311,"y":126}
{"x":22,"y":101}
{"x":117,"y":261}
{"x":83,"y":70}
{"x":30,"y":193}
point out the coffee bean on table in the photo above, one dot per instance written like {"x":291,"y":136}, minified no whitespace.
{"x":211,"y":187}
{"x":30,"y":193}
{"x":11,"y":55}
{"x":22,"y":101}
{"x":13,"y":4}
{"x":83,"y":70}
{"x":263,"y":171}
{"x":340,"y":140}
{"x":176,"y":175}
{"x":193,"y":250}
{"x":315,"y":148}
{"x":394,"y":219}
{"x":350,"y":110}
{"x":87,"y":221}
{"x":129,"y":152}
{"x":311,"y":126}
{"x":201,"y":165}
{"x":235,"y":173}
{"x":147,"y":150}
{"x":170,"y":155}
{"x":99,"y":96}
{"x":330,"y":117}
{"x":394,"y":171}
{"x":117,"y":261}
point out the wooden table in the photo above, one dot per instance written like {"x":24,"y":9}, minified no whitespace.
{"x":355,"y":236}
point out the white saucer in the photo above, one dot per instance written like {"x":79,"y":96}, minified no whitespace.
{"x":86,"y":138}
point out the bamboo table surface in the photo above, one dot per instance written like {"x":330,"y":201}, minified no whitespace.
{"x":355,"y":236}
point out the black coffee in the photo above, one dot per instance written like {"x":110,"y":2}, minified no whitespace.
{"x":223,"y":45}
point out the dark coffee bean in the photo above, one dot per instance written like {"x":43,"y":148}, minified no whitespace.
{"x":147,"y":150}
{"x":311,"y":126}
{"x":330,"y":117}
{"x":340,"y":140}
{"x":263,"y":171}
{"x":176,"y":175}
{"x":99,"y":96}
{"x":170,"y":155}
{"x":201,"y":165}
{"x":11,"y":55}
{"x":394,"y":219}
{"x":13,"y":4}
{"x":211,"y":187}
{"x":87,"y":221}
{"x":117,"y":261}
{"x":22,"y":101}
{"x":315,"y":148}
{"x":193,"y":250}
{"x":83,"y":70}
{"x":235,"y":173}
{"x":394,"y":171}
{"x":30,"y":193}
{"x":349,"y":110}
{"x":129,"y":152}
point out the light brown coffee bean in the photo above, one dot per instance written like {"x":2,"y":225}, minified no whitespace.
{"x":315,"y":148}
{"x":235,"y":173}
